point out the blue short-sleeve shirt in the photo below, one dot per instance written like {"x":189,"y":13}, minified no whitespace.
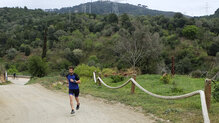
{"x":71,"y":84}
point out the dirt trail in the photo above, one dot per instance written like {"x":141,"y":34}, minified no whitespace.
{"x":21,"y":103}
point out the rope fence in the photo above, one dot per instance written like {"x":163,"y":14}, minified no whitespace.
{"x":133,"y":81}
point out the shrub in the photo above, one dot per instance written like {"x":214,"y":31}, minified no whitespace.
{"x":117,"y":78}
{"x":166,"y":78}
{"x":196,"y":74}
{"x":22,"y":48}
{"x":216,"y":92}
{"x":37,"y":67}
{"x":63,"y":72}
{"x":85,"y":70}
{"x":108,"y":71}
{"x":213,"y":72}
{"x":94,"y":58}
{"x":69,"y":55}
{"x":22,"y":66}
{"x":63,"y":64}
{"x":11,"y":53}
{"x":78,"y":53}
{"x":91,"y":63}
{"x":12,"y":70}
{"x":214,"y":48}
{"x":27,"y":51}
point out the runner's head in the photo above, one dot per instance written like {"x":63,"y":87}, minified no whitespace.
{"x":71,"y":70}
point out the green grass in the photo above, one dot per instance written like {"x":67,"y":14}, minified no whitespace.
{"x":184,"y":110}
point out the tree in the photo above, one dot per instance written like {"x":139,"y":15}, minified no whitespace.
{"x":125,"y":21}
{"x":37,"y":67}
{"x":27,"y":51}
{"x":179,"y":20}
{"x":11,"y":53}
{"x":133,"y":47}
{"x":178,"y":15}
{"x":214,"y":48}
{"x":190,"y":31}
{"x":44,"y":44}
{"x":70,"y":56}
{"x":112,"y":18}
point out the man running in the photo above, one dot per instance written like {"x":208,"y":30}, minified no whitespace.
{"x":73,"y":81}
{"x":14,"y":75}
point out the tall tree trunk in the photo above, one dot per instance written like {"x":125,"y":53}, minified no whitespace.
{"x":45,"y":44}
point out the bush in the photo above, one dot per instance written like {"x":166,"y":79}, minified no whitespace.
{"x":94,"y":58}
{"x":216,"y":92}
{"x":69,"y":55}
{"x":196,"y":74}
{"x":37,"y":67}
{"x":27,"y":51}
{"x":11,"y":53}
{"x":85,"y":70}
{"x":108,"y":71}
{"x":78,"y":53}
{"x":166,"y":78}
{"x":22,"y":66}
{"x":117,"y":78}
{"x":213,"y":72}
{"x":214,"y":48}
{"x":22,"y":48}
{"x":63,"y":72}
{"x":12,"y":70}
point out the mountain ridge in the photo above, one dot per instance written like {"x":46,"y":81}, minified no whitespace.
{"x":106,"y":7}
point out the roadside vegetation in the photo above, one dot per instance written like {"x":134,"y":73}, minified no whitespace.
{"x":184,"y":110}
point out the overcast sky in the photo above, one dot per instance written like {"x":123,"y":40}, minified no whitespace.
{"x":189,"y":7}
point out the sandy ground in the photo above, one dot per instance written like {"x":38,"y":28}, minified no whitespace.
{"x":21,"y":103}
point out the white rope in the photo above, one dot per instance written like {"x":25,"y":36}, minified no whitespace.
{"x":113,"y":87}
{"x":198,"y":92}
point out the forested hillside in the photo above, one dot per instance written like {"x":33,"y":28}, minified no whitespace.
{"x":106,"y":7}
{"x":109,"y":41}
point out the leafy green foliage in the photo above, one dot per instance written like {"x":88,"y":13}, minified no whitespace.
{"x":214,"y":48}
{"x":85,"y":70}
{"x":117,"y":78}
{"x":12,"y":70}
{"x":197,"y":74}
{"x":37,"y":67}
{"x":11,"y":53}
{"x":190,"y":31}
{"x":108,"y":71}
{"x":216,"y":92}
{"x":76,"y":41}
{"x":166,"y":78}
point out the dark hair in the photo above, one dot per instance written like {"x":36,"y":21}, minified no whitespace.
{"x":71,"y":67}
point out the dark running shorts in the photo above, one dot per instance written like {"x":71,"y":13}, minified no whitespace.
{"x":74,"y":92}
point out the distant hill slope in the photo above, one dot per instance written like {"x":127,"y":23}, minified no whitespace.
{"x":216,"y":14}
{"x":106,"y":7}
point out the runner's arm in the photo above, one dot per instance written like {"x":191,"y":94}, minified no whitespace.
{"x":78,"y":81}
{"x":67,"y":82}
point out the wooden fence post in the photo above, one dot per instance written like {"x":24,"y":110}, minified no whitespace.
{"x":99,"y":83}
{"x":133,"y":85}
{"x":208,"y":93}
